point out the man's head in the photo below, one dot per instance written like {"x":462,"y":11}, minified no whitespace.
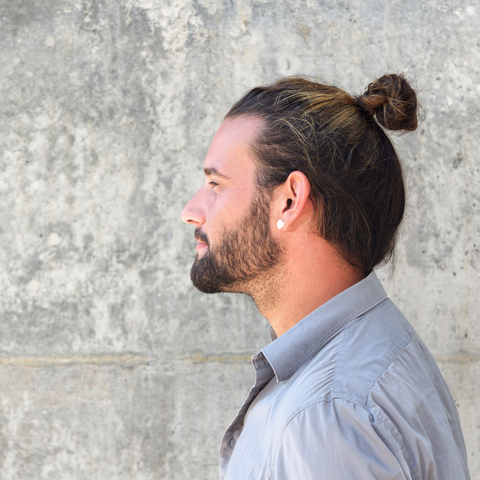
{"x":315,"y":139}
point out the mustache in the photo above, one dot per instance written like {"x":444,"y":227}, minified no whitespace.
{"x":199,"y":235}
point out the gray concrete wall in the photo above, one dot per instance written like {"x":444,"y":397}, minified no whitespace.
{"x":111,"y":365}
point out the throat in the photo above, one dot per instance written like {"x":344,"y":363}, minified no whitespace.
{"x":268,"y":295}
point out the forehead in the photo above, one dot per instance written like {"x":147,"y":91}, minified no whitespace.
{"x":230,"y":153}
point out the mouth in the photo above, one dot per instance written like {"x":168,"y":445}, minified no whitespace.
{"x":201,"y":246}
{"x":202,"y":240}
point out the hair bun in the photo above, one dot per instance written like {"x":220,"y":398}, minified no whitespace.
{"x":392,"y":101}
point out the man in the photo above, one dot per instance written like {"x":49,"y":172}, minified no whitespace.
{"x":302,"y":199}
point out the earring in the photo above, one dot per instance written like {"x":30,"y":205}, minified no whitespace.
{"x":280,"y":224}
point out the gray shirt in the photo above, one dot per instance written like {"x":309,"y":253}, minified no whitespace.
{"x":350,"y":392}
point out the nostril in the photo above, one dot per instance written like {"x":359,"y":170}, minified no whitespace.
{"x":186,"y":214}
{"x":190,"y":217}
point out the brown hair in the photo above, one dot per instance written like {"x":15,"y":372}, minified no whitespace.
{"x":354,"y":172}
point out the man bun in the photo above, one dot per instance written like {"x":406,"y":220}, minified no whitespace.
{"x":392,"y":101}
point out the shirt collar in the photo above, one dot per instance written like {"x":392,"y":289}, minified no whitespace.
{"x":291,"y":350}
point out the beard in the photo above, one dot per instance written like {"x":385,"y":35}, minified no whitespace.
{"x":243,"y":255}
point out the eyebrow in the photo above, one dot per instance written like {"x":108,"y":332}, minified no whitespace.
{"x":214,"y":171}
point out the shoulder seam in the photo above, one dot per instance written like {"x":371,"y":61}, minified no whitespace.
{"x":378,"y":415}
{"x":334,"y":375}
{"x":397,"y":437}
{"x":385,"y":369}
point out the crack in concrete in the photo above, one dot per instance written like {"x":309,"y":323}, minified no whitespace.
{"x":460,"y":358}
{"x":125,"y":359}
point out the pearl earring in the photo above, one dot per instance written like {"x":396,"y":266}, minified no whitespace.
{"x":280,"y":224}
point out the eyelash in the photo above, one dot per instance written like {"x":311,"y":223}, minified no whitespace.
{"x":213,"y":184}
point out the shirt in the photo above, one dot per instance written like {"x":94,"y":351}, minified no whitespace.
{"x":349,"y":392}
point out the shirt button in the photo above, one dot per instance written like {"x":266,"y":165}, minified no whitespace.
{"x":232,"y":442}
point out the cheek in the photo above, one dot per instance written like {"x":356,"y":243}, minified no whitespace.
{"x":226,"y":210}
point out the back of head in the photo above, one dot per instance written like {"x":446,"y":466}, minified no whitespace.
{"x":336,"y":140}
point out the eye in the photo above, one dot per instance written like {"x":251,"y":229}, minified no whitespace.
{"x":213,"y":184}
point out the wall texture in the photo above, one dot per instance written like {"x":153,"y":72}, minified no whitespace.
{"x":111,"y":365}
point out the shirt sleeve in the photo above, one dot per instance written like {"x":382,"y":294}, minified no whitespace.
{"x":338,"y":440}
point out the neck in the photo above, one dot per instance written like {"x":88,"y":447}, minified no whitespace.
{"x":307,"y":278}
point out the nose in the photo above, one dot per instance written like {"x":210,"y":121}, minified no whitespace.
{"x":194,"y":211}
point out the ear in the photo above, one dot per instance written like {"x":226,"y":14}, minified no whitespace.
{"x":292,"y":199}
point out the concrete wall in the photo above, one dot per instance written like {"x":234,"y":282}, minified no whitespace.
{"x":111,"y":365}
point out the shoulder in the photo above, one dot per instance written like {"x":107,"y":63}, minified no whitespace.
{"x":370,"y":345}
{"x":330,"y":411}
{"x":350,"y":364}
{"x":385,"y":399}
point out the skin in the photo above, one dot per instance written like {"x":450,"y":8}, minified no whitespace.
{"x":309,"y":271}
{"x":244,"y":255}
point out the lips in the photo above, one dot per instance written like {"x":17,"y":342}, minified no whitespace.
{"x":201,"y":237}
{"x":202,"y":240}
{"x":201,"y":247}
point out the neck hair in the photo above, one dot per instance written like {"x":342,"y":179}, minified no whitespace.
{"x":266,"y":290}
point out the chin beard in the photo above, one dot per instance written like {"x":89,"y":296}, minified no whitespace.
{"x":207,"y":277}
{"x":243,"y":255}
